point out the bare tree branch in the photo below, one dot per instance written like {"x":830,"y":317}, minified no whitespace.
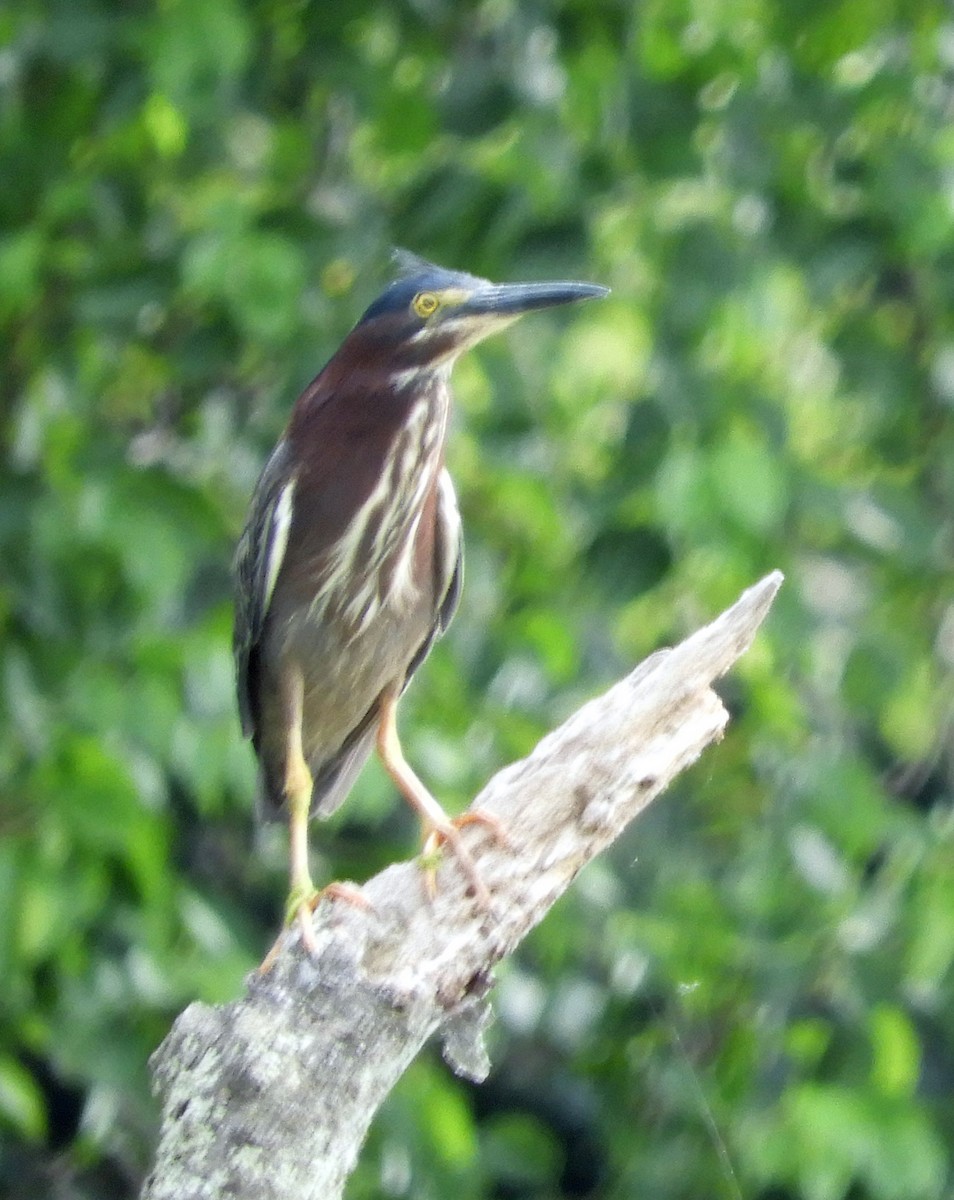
{"x":270,"y":1097}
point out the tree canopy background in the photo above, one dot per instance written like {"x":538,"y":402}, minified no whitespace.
{"x":752,"y":995}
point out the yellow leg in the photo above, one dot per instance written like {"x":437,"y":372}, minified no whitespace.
{"x":303,"y":896}
{"x":438,"y":826}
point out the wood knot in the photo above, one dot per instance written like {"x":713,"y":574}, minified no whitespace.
{"x":582,"y":795}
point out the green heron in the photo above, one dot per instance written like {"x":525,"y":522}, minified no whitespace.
{"x":350,"y":563}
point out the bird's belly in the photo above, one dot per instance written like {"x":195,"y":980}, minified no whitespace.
{"x":344,"y":671}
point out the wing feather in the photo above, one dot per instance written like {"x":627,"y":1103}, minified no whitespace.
{"x":258,"y":559}
{"x":448,"y":567}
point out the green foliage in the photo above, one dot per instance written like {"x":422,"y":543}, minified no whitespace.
{"x":752,"y":994}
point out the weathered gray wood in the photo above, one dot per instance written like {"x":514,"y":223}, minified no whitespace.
{"x":270,"y":1097}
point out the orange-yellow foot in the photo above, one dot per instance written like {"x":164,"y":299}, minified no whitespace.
{"x":300,"y":907}
{"x":436,"y":835}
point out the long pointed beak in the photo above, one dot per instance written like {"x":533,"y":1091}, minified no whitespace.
{"x":513,"y":299}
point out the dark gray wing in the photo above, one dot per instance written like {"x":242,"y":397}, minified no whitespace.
{"x":449,"y":551}
{"x":448,"y":567}
{"x":258,"y":558}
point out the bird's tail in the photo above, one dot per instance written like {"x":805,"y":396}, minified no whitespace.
{"x":335,"y":780}
{"x":332,"y":781}
{"x":269,"y":795}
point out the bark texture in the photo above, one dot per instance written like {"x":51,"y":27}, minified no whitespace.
{"x":270,"y":1097}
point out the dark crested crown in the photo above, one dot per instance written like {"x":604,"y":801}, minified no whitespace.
{"x":415,"y":274}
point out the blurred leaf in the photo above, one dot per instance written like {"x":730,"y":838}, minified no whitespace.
{"x":749,"y":481}
{"x":521,"y":1152}
{"x":897,"y":1054}
{"x":21,"y":1103}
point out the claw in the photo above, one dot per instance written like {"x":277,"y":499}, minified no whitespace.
{"x":300,"y":908}
{"x":436,"y":833}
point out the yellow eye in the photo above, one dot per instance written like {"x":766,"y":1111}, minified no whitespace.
{"x":425,"y":304}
